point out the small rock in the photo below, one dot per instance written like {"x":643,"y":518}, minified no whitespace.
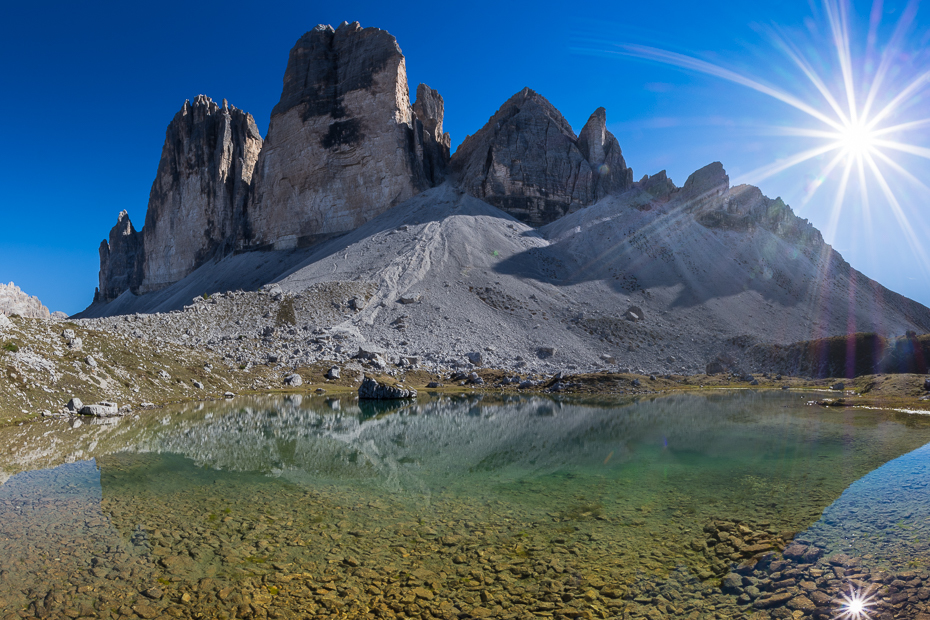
{"x":927,"y":385}
{"x":197,"y":384}
{"x":5,"y":322}
{"x":147,"y":405}
{"x":754,"y":382}
{"x":433,"y":384}
{"x":732,"y":582}
{"x":634,"y":313}
{"x":68,"y":335}
{"x":228,"y":395}
{"x":475,"y":358}
{"x":293,"y":380}
{"x":408,"y":300}
{"x":75,"y":405}
{"x":838,"y":386}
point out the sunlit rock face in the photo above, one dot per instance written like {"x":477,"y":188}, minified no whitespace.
{"x":196,"y":205}
{"x":344,"y":143}
{"x":528,"y":161}
{"x":14,"y":301}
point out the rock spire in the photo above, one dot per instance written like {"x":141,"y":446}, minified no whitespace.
{"x":527,"y":161}
{"x":344,"y":143}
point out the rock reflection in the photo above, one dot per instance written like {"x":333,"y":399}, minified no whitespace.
{"x":444,"y":507}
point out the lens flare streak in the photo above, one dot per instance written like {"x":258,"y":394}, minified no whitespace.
{"x":851,"y":130}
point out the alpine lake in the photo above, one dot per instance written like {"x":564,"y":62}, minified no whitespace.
{"x":723,"y":505}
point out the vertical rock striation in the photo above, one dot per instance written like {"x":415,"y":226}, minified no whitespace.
{"x":197,"y":203}
{"x":344,"y":143}
{"x":196,"y":207}
{"x":527,"y":161}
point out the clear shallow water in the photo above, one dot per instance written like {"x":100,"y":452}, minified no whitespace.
{"x":458,"y":508}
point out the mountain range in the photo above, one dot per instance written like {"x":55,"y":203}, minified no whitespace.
{"x":528,"y":242}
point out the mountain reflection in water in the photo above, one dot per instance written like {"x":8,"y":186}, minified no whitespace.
{"x":467,"y":504}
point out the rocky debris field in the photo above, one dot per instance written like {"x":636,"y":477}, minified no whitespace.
{"x":330,"y":335}
{"x":44,"y":364}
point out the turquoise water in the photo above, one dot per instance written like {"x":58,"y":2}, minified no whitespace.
{"x":463,"y":507}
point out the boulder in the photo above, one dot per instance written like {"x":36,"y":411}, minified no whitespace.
{"x":369,"y":352}
{"x":344,"y":143}
{"x":527,"y":161}
{"x":75,"y":405}
{"x":634,"y":313}
{"x":102,"y":409}
{"x":333,"y":373}
{"x":293,"y":380}
{"x":545,"y":352}
{"x":5,"y":323}
{"x":371,"y":389}
{"x":475,"y":358}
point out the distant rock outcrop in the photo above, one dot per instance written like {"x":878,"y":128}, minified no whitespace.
{"x":527,"y":161}
{"x":120,"y":260}
{"x":14,"y":301}
{"x":707,"y":193}
{"x":344,"y":143}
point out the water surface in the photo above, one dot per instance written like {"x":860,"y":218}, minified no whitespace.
{"x":453,"y":507}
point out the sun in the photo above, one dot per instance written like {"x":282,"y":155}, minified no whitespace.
{"x":857,"y":140}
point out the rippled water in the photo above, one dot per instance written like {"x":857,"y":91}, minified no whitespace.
{"x":673,"y":507}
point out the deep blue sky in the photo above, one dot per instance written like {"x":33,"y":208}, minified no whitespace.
{"x":88,"y":89}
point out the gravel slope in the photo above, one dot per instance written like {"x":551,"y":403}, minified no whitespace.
{"x":456,"y":282}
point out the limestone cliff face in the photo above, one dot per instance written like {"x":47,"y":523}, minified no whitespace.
{"x":527,"y":161}
{"x":344,"y":143}
{"x":120,"y":260}
{"x":14,"y":301}
{"x":197,"y":202}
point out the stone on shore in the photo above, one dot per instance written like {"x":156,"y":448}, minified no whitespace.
{"x":372,"y":389}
